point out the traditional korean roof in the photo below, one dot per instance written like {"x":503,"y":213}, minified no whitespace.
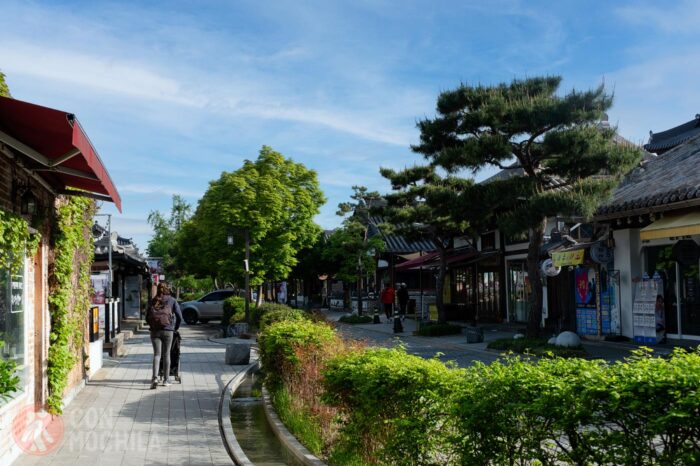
{"x":659,"y":182}
{"x":665,"y":140}
{"x":396,"y":243}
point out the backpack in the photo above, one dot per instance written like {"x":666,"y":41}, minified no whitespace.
{"x":159,"y":317}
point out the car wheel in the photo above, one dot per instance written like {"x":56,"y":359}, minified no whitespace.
{"x":190,"y":316}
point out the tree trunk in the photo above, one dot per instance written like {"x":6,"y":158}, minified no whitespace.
{"x":359,"y":292}
{"x":346,"y":296}
{"x":440,"y":285}
{"x":536,"y":235}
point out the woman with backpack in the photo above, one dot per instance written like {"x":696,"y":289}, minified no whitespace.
{"x":163,"y":310}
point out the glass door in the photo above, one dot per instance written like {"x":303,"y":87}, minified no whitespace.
{"x":690,"y":300}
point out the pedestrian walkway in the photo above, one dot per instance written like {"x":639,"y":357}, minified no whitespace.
{"x":118,"y":420}
{"x":455,"y":347}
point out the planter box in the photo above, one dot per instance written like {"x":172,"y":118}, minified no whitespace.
{"x":238,"y":353}
{"x":474,"y":334}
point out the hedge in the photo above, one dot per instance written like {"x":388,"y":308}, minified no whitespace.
{"x":436,"y":330}
{"x":279,"y":341}
{"x":234,"y":310}
{"x":282,"y":314}
{"x":389,"y":407}
{"x":645,"y":410}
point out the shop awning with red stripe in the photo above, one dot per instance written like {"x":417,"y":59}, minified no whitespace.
{"x":58,"y":149}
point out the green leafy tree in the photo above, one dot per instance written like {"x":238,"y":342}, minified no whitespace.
{"x":568,"y":163}
{"x":4,"y":89}
{"x":273,"y":200}
{"x":165,"y":230}
{"x":351,"y":248}
{"x":422,"y":207}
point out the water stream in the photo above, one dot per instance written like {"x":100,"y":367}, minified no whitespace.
{"x":252,"y":430}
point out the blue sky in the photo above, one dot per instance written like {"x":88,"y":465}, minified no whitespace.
{"x":172,"y":93}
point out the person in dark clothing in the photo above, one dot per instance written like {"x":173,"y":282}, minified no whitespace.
{"x":164,"y":317}
{"x":402,"y":295}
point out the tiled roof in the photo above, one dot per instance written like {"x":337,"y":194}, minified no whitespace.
{"x":665,"y":140}
{"x":661,"y":180}
{"x":396,"y":243}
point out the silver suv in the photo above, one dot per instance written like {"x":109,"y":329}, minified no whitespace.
{"x":208,"y":307}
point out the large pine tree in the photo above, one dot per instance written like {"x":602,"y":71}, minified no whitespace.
{"x":566,"y":162}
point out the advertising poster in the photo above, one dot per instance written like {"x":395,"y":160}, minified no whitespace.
{"x":100,"y":282}
{"x":586,"y":292}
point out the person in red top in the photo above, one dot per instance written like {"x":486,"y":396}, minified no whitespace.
{"x":387,"y":299}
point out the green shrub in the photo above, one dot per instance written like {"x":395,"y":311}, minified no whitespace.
{"x":264,"y":308}
{"x":234,"y":310}
{"x":645,"y":410}
{"x":536,"y":346}
{"x":436,"y":330}
{"x":356,"y":319}
{"x":279,"y":341}
{"x":9,"y":382}
{"x":278,"y":315}
{"x":388,"y":399}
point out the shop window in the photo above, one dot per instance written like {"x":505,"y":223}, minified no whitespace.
{"x":518,"y":292}
{"x":488,"y":241}
{"x":12,"y":320}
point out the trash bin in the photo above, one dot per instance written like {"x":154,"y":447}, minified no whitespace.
{"x":411,"y":310}
{"x":475,"y":334}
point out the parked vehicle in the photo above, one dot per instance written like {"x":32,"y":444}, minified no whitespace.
{"x":208,"y":307}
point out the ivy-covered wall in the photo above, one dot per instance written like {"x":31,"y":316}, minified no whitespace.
{"x":69,"y":296}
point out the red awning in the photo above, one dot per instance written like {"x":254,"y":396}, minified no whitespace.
{"x":59,"y":149}
{"x":432,"y":259}
{"x":418,"y":262}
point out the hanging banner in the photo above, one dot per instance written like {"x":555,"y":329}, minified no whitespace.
{"x":562,"y":259}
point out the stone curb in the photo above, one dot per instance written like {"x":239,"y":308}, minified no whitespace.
{"x":290,"y":442}
{"x":233,"y":448}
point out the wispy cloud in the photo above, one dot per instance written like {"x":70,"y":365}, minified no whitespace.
{"x":679,"y":17}
{"x":158,"y":189}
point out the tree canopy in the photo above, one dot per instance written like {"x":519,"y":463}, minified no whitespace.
{"x":422,"y":206}
{"x":274,"y":200}
{"x":4,"y":89}
{"x":564,"y":161}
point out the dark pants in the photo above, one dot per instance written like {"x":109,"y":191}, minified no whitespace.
{"x":162,"y":340}
{"x":402,"y":308}
{"x":388,"y":309}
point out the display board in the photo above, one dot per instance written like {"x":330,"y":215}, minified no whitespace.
{"x":647,"y":313}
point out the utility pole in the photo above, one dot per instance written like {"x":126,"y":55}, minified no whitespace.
{"x":246,"y":263}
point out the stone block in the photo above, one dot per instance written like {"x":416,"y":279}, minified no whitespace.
{"x":568,"y":339}
{"x":237,"y":353}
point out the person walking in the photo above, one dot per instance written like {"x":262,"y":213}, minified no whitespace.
{"x":387,"y":299}
{"x":402,"y":295}
{"x":164,"y":317}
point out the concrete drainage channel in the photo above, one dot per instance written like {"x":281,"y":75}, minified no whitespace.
{"x":251,"y":430}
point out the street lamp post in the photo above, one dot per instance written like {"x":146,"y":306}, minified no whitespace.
{"x":108,"y":311}
{"x":246,"y":268}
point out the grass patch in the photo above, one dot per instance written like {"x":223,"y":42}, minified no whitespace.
{"x":355,"y":319}
{"x":437,"y":330}
{"x":298,"y":421}
{"x":536,"y":346}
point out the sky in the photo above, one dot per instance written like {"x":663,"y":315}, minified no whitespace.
{"x":172,"y":93}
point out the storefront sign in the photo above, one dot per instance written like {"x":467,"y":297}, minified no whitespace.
{"x":600,"y":253}
{"x":16,"y":294}
{"x":562,"y":259}
{"x":548,"y":268}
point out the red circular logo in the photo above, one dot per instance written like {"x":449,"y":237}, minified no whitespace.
{"x":37,"y":432}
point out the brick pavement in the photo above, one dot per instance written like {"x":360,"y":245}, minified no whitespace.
{"x":118,"y":420}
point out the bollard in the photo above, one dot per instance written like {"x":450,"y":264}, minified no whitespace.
{"x":398,"y":326}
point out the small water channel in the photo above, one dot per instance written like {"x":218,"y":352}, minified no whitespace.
{"x":251,"y":428}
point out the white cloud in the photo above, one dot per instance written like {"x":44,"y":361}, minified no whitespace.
{"x":120,"y":77}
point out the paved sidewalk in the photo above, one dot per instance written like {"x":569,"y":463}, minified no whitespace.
{"x":455,"y":348}
{"x":118,"y":420}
